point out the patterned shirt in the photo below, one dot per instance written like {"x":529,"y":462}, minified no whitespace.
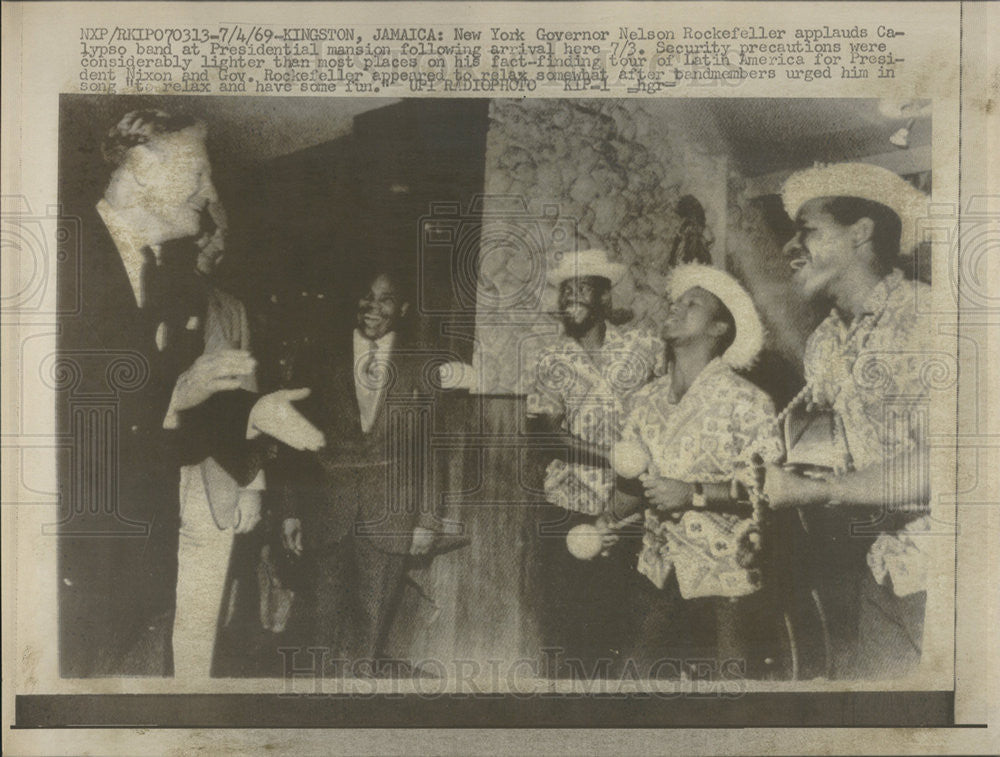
{"x":874,"y":375}
{"x":589,"y":391}
{"x":708,"y":436}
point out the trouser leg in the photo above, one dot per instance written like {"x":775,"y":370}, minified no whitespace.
{"x":746,"y":634}
{"x":660,"y":644}
{"x":203,"y":554}
{"x":334,"y":619}
{"x":379,"y":578}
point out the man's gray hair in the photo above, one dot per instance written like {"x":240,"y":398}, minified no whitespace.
{"x":139,"y":127}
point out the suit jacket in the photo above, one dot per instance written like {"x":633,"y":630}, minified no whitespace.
{"x":226,"y":327}
{"x":118,"y":467}
{"x":113,"y":389}
{"x":370,"y":485}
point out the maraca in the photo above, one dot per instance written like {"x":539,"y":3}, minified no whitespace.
{"x":584,"y":541}
{"x":629,"y":459}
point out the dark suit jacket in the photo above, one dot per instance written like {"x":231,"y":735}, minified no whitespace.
{"x":109,"y":361}
{"x":372,"y":485}
{"x":119,"y":469}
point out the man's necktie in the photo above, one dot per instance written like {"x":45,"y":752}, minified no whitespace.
{"x":146,"y":277}
{"x":174,"y":297}
{"x":369,"y":369}
{"x":151,"y":298}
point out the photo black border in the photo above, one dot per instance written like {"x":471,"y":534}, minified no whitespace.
{"x":806,"y":709}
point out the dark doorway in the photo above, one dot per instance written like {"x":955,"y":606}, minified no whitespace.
{"x":313,"y":223}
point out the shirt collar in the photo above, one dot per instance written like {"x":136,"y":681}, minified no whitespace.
{"x":382,"y":344}
{"x":877,"y":298}
{"x":879,"y":295}
{"x":128,"y":244}
{"x":713,"y":366}
{"x":611,"y":336}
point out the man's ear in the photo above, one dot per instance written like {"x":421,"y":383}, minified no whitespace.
{"x":717,"y":328}
{"x":138,"y":163}
{"x":606,"y":300}
{"x":862,"y":231}
{"x":404,"y":309}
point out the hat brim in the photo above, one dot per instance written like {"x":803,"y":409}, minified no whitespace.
{"x":865,"y":181}
{"x":613,"y":272}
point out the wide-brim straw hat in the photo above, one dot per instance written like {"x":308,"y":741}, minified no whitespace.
{"x":577,"y":264}
{"x":863,"y":180}
{"x":749,"y":339}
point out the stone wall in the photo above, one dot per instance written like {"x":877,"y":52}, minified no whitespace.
{"x":754,"y":256}
{"x":582,"y":173}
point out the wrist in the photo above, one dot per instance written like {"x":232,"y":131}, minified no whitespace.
{"x":824,"y":491}
{"x":808,"y":493}
{"x":252,"y":431}
{"x":697,"y":496}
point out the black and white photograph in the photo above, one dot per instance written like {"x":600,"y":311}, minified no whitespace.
{"x":589,"y":390}
{"x":499,"y":378}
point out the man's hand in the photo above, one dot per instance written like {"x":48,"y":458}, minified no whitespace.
{"x":247,"y":511}
{"x":291,"y":535}
{"x":785,"y":489}
{"x":215,"y":372}
{"x":605,"y":524}
{"x":274,"y":415}
{"x":423,"y":540}
{"x":610,"y":528}
{"x":667,"y":493}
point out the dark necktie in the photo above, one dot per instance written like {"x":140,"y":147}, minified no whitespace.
{"x":151,"y":298}
{"x":146,"y":277}
{"x":369,"y":370}
{"x":174,"y":299}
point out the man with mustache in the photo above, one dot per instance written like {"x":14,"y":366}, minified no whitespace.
{"x":866,"y":364}
{"x":579,"y":393}
{"x":356,"y":509}
{"x":149,"y":391}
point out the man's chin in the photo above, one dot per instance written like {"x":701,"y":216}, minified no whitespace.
{"x":807,"y":283}
{"x":186,"y":225}
{"x":577,"y":328}
{"x":372,"y":333}
{"x":176,"y":232}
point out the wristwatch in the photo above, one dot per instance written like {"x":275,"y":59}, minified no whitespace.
{"x":698,"y":496}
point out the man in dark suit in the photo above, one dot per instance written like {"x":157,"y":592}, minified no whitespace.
{"x":138,"y":396}
{"x":357,"y":507}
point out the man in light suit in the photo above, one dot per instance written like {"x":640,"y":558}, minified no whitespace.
{"x":357,"y":506}
{"x":214,"y":507}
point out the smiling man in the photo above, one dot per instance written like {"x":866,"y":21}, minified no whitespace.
{"x":867,"y":363}
{"x":701,"y":424}
{"x":579,"y":395}
{"x":356,"y":510}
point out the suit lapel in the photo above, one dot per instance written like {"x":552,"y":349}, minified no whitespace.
{"x":398,"y":385}
{"x":380,"y":397}
{"x":344,"y":407}
{"x":341,"y":391}
{"x":109,"y":302}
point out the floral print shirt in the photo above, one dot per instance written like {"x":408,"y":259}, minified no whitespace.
{"x":590,"y":391}
{"x":708,"y":436}
{"x":875,"y":374}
